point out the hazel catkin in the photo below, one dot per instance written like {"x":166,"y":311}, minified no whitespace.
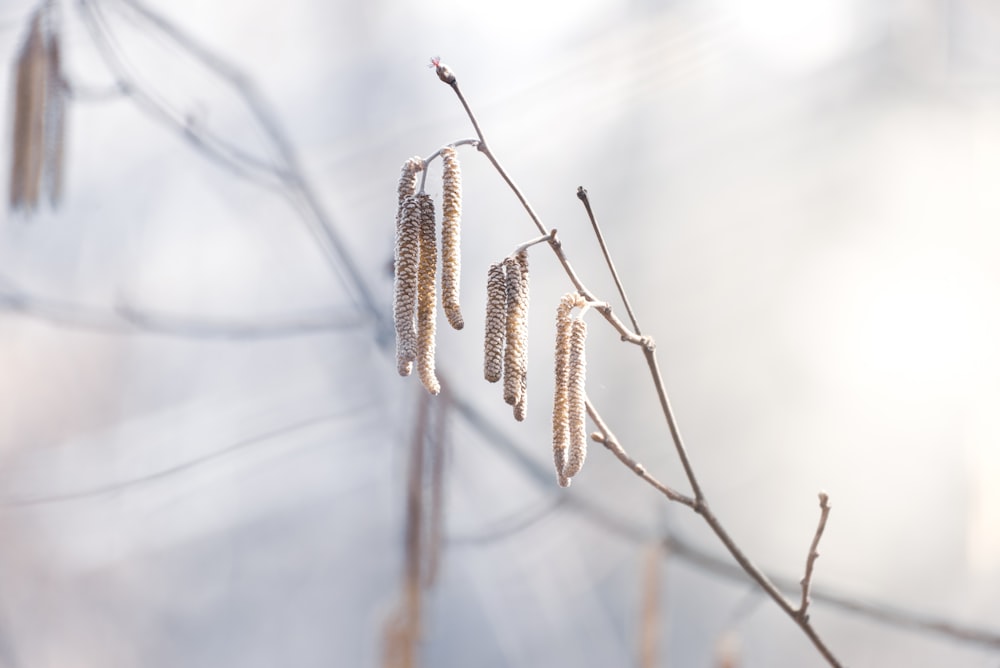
{"x":577,"y":399}
{"x":405,"y":284}
{"x":451,"y":214}
{"x":426,"y":295}
{"x":496,"y":323}
{"x":406,"y":256}
{"x":560,"y":403}
{"x":515,"y":351}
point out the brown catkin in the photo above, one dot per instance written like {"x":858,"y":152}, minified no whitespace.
{"x":577,"y":399}
{"x":451,"y":257}
{"x":560,"y":404}
{"x":515,"y":352}
{"x":406,"y":283}
{"x":426,"y":296}
{"x":28,"y":143}
{"x":496,"y":323}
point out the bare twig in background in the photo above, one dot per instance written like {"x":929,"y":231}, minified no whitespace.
{"x":286,"y":175}
{"x":824,"y":512}
{"x":127,"y":319}
{"x":649,"y":350}
{"x":117,"y":487}
{"x":424,"y":532}
{"x":436,"y":456}
{"x":650,"y":616}
{"x":39,"y":115}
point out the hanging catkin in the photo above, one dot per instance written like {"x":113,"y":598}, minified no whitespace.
{"x":496,"y":323}
{"x":406,"y":288}
{"x":577,"y":399}
{"x":426,"y":295}
{"x":28,"y":154}
{"x":560,"y":404}
{"x":521,"y":407}
{"x":515,"y":352}
{"x":451,"y":259}
{"x":406,"y":255}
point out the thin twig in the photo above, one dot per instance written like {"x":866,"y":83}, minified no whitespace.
{"x":533,"y":242}
{"x":605,"y":437}
{"x":581,"y":192}
{"x":824,"y":512}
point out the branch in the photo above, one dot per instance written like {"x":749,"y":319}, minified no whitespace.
{"x":824,"y":505}
{"x":627,"y":529}
{"x":699,"y":504}
{"x":581,"y":192}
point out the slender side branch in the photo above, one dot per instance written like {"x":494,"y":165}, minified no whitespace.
{"x":534,"y":242}
{"x":605,"y":437}
{"x":581,"y":192}
{"x":824,"y":512}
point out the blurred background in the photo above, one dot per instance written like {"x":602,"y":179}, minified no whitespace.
{"x":204,"y":444}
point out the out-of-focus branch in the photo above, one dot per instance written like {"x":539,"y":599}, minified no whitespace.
{"x":129,"y":319}
{"x":22,"y":501}
{"x":286,"y":174}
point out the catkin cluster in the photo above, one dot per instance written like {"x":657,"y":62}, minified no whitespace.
{"x":569,"y":407}
{"x":505,"y":348}
{"x":416,"y":261}
{"x":39,"y":117}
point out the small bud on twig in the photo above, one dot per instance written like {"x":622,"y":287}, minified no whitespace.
{"x":444,"y":74}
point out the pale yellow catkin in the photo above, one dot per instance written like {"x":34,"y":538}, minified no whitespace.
{"x":560,"y":403}
{"x":451,"y":258}
{"x":496,"y":323}
{"x":406,"y":283}
{"x":426,"y":296}
{"x":577,"y":399}
{"x":28,"y":145}
{"x":515,"y":350}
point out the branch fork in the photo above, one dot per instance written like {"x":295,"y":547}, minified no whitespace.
{"x":697,"y":503}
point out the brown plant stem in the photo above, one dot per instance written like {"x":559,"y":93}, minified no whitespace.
{"x":581,"y":192}
{"x":824,"y":512}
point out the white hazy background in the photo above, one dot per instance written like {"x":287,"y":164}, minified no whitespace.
{"x":800,"y":196}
